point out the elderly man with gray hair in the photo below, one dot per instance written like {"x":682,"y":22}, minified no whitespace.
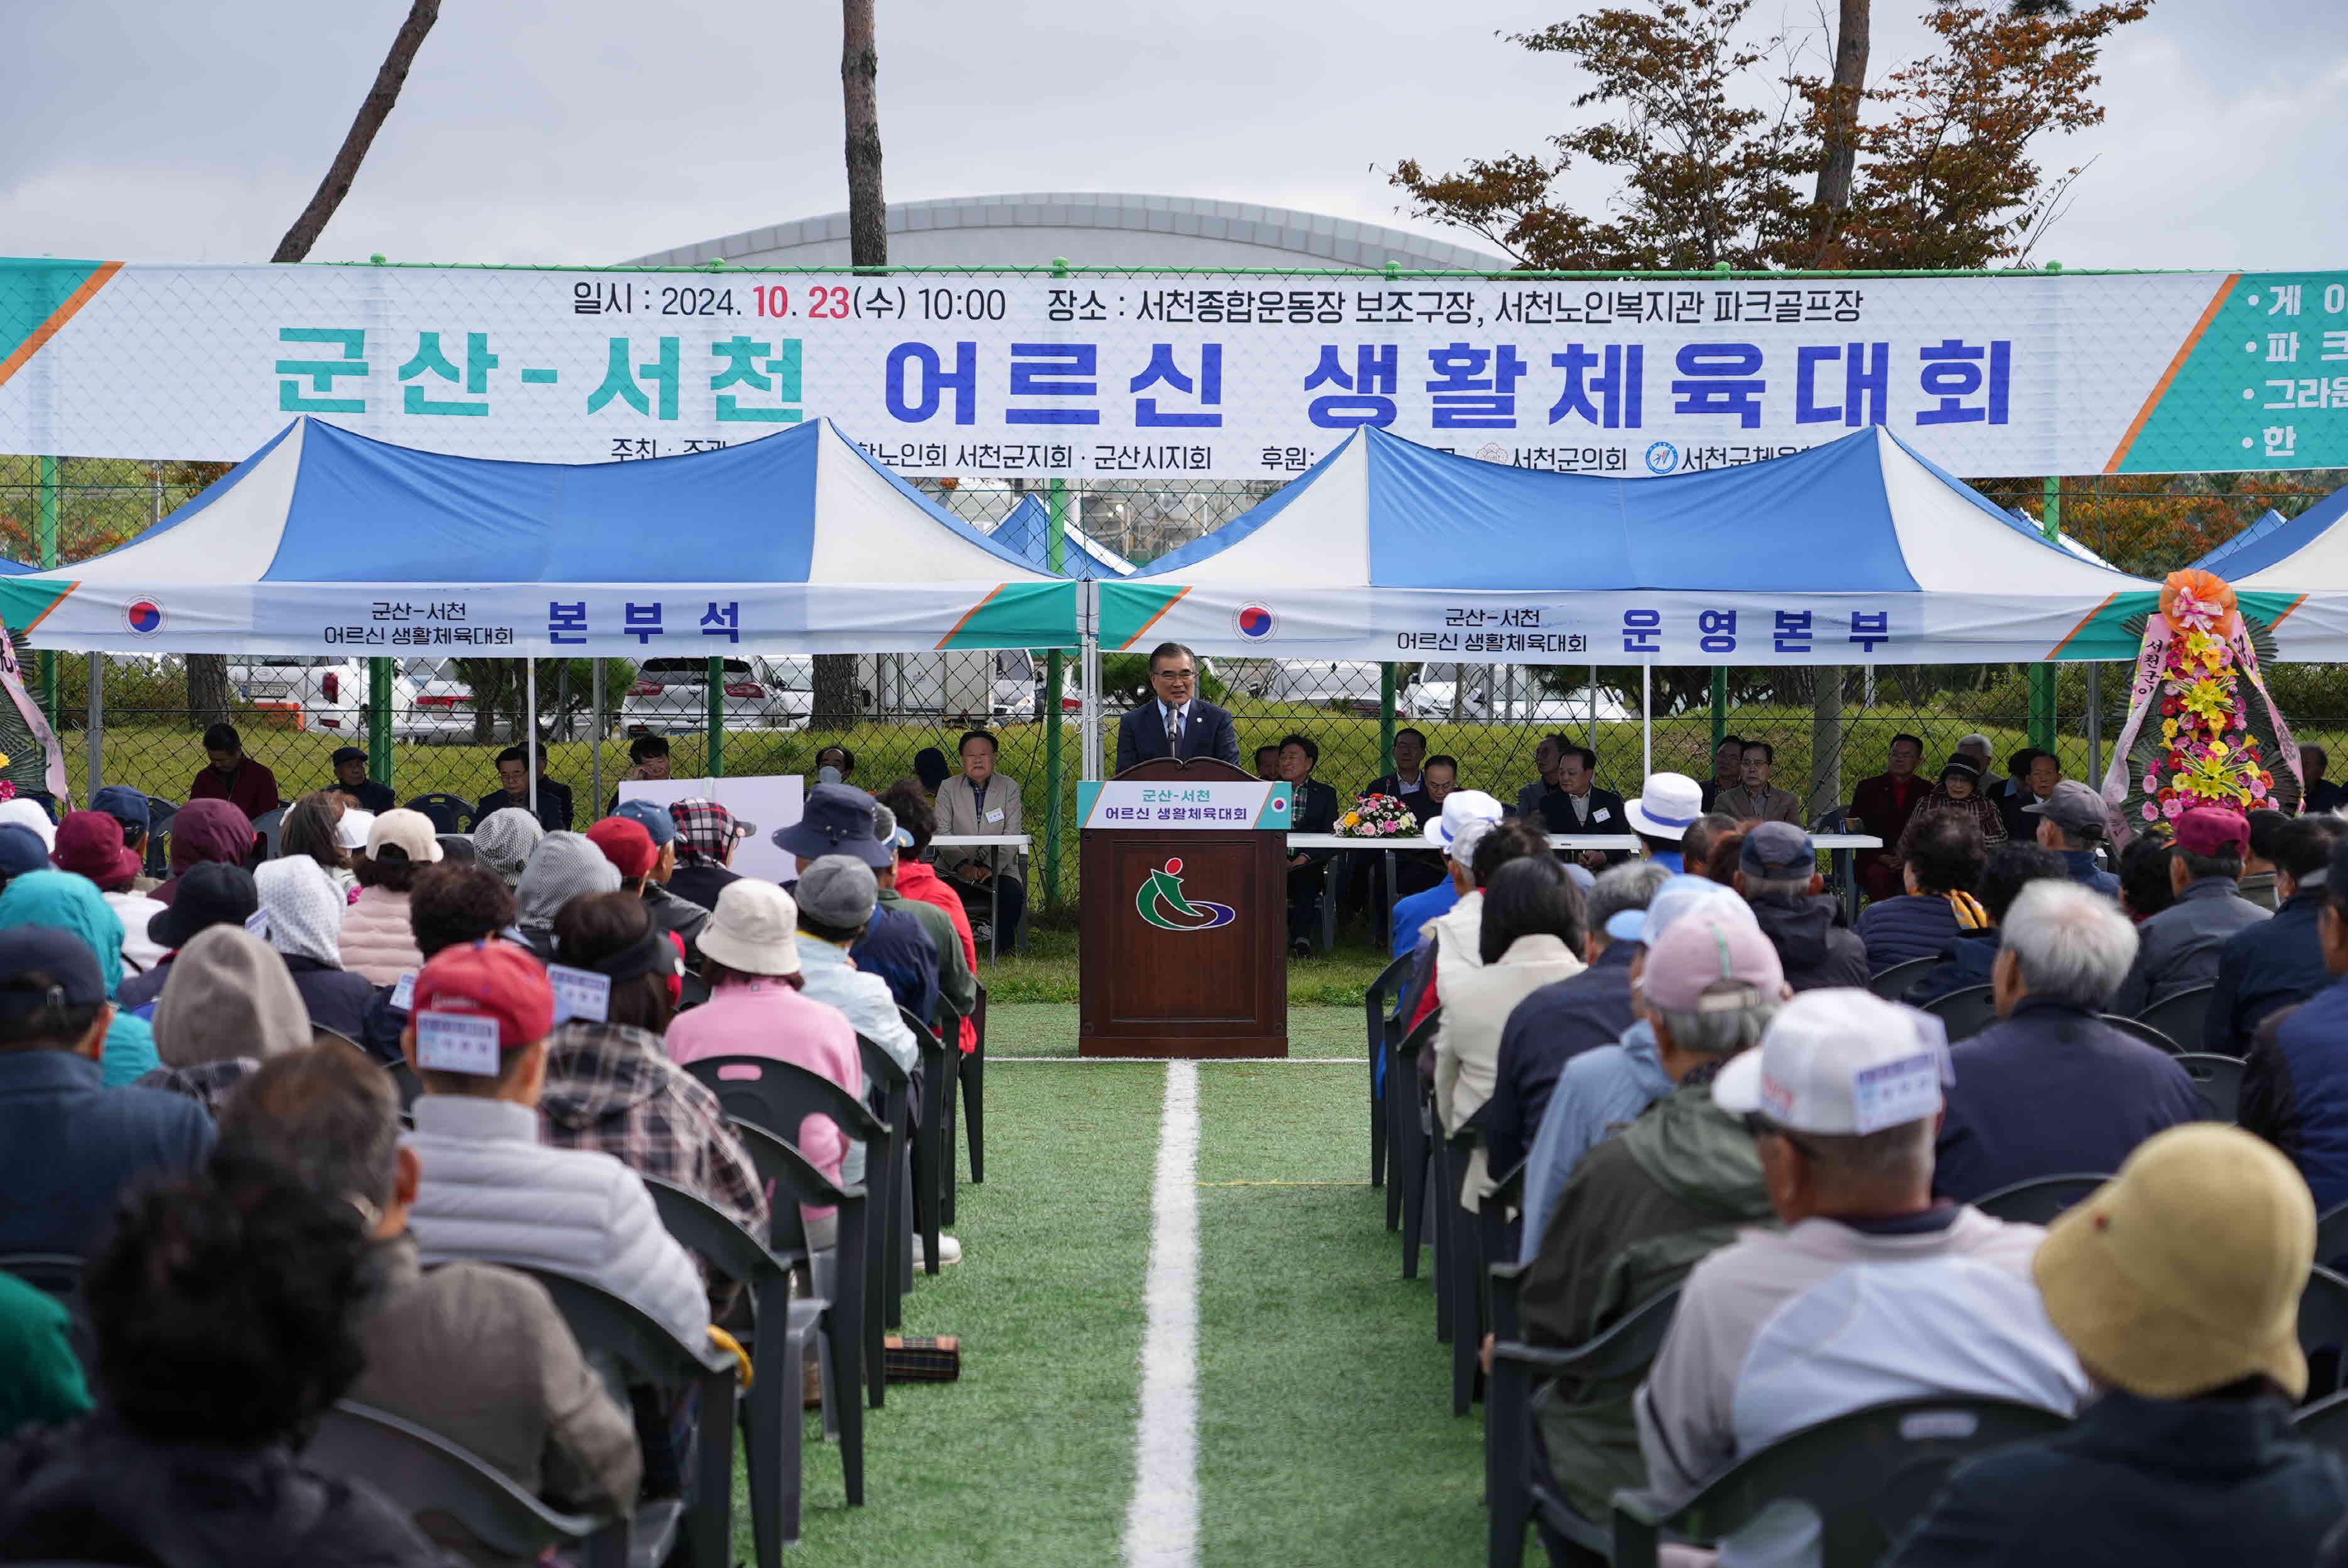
{"x":1642,"y":1209}
{"x":2050,"y":1088}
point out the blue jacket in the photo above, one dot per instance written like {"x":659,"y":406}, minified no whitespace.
{"x":67,"y":1146}
{"x":2295,"y":1088}
{"x":1598,"y":1090}
{"x":1912,"y":926}
{"x":2081,"y":864}
{"x":1411,"y":913}
{"x":1544,"y":1031}
{"x":1966,"y":959}
{"x":2178,"y":949}
{"x":898,"y":948}
{"x":2152,"y":1484}
{"x":2051,"y":1091}
{"x":2261,"y":967}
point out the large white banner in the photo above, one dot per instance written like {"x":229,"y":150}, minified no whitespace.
{"x":1180,"y":377}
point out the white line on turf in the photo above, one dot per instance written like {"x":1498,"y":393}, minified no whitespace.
{"x":1161,"y":1526}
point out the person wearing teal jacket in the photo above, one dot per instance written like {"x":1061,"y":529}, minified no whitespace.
{"x":65,"y":902}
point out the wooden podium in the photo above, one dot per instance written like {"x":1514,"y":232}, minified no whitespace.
{"x":1159,"y":980}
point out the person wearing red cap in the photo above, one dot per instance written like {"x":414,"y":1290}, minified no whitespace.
{"x":90,"y":844}
{"x":2179,"y":947}
{"x":641,"y":844}
{"x":491,"y":1192}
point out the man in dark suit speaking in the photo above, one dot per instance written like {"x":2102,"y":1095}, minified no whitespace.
{"x":1177,"y":723}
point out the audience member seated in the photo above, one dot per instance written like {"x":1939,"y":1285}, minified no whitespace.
{"x":2180,"y":946}
{"x":936,"y":906}
{"x":210,"y":895}
{"x":129,"y":807}
{"x":1755,"y":798}
{"x":313,"y":828}
{"x":67,"y":1143}
{"x":1958,"y":791}
{"x":231,"y":776}
{"x":1727,"y":771}
{"x":1453,"y":943}
{"x":838,"y":819}
{"x":2295,"y":1078}
{"x":648,"y":760}
{"x":834,"y":765}
{"x":1313,"y":810}
{"x":1967,"y":957}
{"x":982,"y":803}
{"x":2274,"y":963}
{"x":929,"y":767}
{"x":1697,"y":842}
{"x":1561,"y":1021}
{"x":448,"y":906}
{"x":304,"y":916}
{"x":2072,"y":822}
{"x":1873,"y":1292}
{"x":1776,"y":872}
{"x":706,"y":836}
{"x":563,"y":867}
{"x":22,"y":853}
{"x":1661,"y":815}
{"x":2257,"y":883}
{"x":1530,"y":936}
{"x":229,"y":1006}
{"x":1407,"y":777}
{"x":351,"y":782}
{"x":504,"y":841}
{"x":2178,"y":1284}
{"x":1606,"y":1087}
{"x":90,"y":843}
{"x":472,"y":1352}
{"x":836,"y":899}
{"x":756,"y":1009}
{"x":2033,"y":775}
{"x":1577,"y":805}
{"x":377,"y":941}
{"x":1267,"y":761}
{"x":2050,"y":1089}
{"x":226,"y":1314}
{"x":490,"y":1189}
{"x":2322,"y":793}
{"x":1940,"y":870}
{"x":57,"y":901}
{"x":41,"y":1381}
{"x":553,"y":811}
{"x":1641,"y":1208}
{"x":611,"y":1085}
{"x":205,"y":831}
{"x":2145,"y":888}
{"x":1438,"y":781}
{"x":1882,"y":806}
{"x":1545,"y":755}
{"x":1413,"y":911}
{"x":641,"y":844}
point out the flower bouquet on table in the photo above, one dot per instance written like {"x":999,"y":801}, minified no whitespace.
{"x":1378,"y":817}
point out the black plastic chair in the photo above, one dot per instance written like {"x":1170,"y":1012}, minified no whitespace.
{"x":932,"y":1138}
{"x":784,"y":1328}
{"x":2331,"y":1235}
{"x":2144,"y":1031}
{"x":973,"y":1096}
{"x":1893,"y":983}
{"x":2325,"y":1422}
{"x":891,"y":1193}
{"x":1476,"y":1240}
{"x":449,"y":812}
{"x":1376,"y":1004}
{"x":266,"y":828}
{"x":2038,"y":1200}
{"x":1516,"y":1486}
{"x":2323,"y":1331}
{"x":2219,"y":1080}
{"x":58,"y":1274}
{"x":457,"y":849}
{"x":841,"y":1271}
{"x":1965,"y":1011}
{"x":403,"y":1078}
{"x":2180,"y":1016}
{"x":1410,"y":1163}
{"x":776,"y":1096}
{"x":648,"y":1355}
{"x":160,"y":813}
{"x":423,"y":1472}
{"x":1869,"y":1474}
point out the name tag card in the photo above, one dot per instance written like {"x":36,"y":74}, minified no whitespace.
{"x":403,"y":995}
{"x":579,"y":993}
{"x":257,"y":924}
{"x":1908,"y":1090}
{"x":456,"y":1042}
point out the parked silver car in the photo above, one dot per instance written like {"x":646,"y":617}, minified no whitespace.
{"x":671,"y":696}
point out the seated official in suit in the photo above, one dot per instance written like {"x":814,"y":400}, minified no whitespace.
{"x":1577,"y":805}
{"x":982,"y":803}
{"x":1315,"y":810}
{"x":1178,"y":723}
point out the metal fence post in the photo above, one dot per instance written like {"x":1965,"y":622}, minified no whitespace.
{"x":595,"y":732}
{"x":379,"y":763}
{"x":717,"y":718}
{"x":45,"y":540}
{"x":1386,"y":718}
{"x":1719,"y":704}
{"x":2096,"y":725}
{"x":94,"y":734}
{"x":2042,"y":676}
{"x":1054,"y":669}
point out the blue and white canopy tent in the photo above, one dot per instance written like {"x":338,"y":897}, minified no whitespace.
{"x":1027,"y":532}
{"x":328,"y":542}
{"x":2292,"y":574}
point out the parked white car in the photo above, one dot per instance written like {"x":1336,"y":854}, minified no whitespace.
{"x":431,"y":703}
{"x":671,"y":696}
{"x":330,"y":694}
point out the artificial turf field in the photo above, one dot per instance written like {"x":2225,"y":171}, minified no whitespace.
{"x":1325,"y":1432}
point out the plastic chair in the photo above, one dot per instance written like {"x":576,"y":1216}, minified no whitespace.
{"x":1471,"y":1236}
{"x":1869,"y":1474}
{"x":1376,"y":1005}
{"x":648,"y":1354}
{"x":2180,"y":1017}
{"x":2325,"y":1422}
{"x":891,"y":1200}
{"x":2324,"y":1330}
{"x":160,"y":813}
{"x":973,"y":1096}
{"x":776,"y":1097}
{"x":933,"y":1143}
{"x":1966,"y":1012}
{"x":2039,"y":1199}
{"x":1409,"y":1163}
{"x":53,"y":1274}
{"x":424,"y":1473}
{"x":1517,"y":1488}
{"x":785,"y":1328}
{"x":2144,"y":1031}
{"x":449,"y":812}
{"x":405,"y":1079}
{"x":1893,"y":983}
{"x":266,"y":828}
{"x":2331,"y":1235}
{"x":457,"y":849}
{"x":2219,"y":1080}
{"x":839,"y":1270}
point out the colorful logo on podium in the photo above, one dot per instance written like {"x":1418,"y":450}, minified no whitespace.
{"x":1160,"y":902}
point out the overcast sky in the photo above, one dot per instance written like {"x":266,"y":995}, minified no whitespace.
{"x":592,"y":130}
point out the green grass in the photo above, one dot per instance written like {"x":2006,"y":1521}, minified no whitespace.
{"x":1046,"y":971}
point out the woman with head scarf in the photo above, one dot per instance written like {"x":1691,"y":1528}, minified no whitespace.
{"x":63,"y":902}
{"x":305,"y":911}
{"x":206,"y":830}
{"x":563,"y":867}
{"x":503,"y":841}
{"x":228,"y":1005}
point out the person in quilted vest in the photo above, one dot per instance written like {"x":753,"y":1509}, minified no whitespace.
{"x":376,"y":939}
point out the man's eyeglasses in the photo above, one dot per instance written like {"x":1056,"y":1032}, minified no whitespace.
{"x":1173,"y":675}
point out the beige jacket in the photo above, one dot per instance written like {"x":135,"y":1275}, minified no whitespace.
{"x":1770,"y":805}
{"x":1477,"y":1003}
{"x":959,"y":812}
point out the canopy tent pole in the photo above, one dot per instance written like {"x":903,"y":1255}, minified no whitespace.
{"x":2096,"y":724}
{"x":1646,"y":721}
{"x":530,"y":726}
{"x":1719,"y":706}
{"x":2042,"y":676}
{"x":1089,"y":675}
{"x":1386,"y":718}
{"x":379,"y":721}
{"x":1055,"y":669}
{"x":595,"y":731}
{"x":1593,"y":708}
{"x":45,"y":540}
{"x":95,"y":734}
{"x":716,"y":684}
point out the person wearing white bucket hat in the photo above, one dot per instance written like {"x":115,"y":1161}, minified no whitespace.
{"x":1662,"y":814}
{"x":2179,"y":1285}
{"x":1466,"y":812}
{"x":1872,"y":1292}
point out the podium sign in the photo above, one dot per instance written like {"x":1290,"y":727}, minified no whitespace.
{"x":1183,"y":947}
